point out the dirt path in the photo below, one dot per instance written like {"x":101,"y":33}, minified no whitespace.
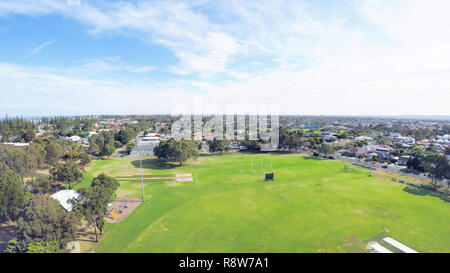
{"x":73,"y":247}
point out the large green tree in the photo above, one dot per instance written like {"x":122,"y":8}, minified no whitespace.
{"x":436,"y":166}
{"x":327,"y":149}
{"x":125,"y":136}
{"x":67,"y":173}
{"x":177,"y":150}
{"x":54,"y":151}
{"x":218,"y":145}
{"x":94,"y":203}
{"x":41,"y":185}
{"x":13,"y":196}
{"x":44,"y":247}
{"x":109,"y":183}
{"x":44,"y":220}
{"x":93,"y":206}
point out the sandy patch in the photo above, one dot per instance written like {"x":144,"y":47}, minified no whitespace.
{"x":185,"y":179}
{"x":122,"y":208}
{"x":184,"y":175}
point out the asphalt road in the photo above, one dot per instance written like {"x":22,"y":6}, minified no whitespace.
{"x":390,"y":167}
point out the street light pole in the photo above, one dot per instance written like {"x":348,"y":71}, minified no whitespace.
{"x":142,"y":175}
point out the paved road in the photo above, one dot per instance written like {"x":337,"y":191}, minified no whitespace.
{"x":390,"y":167}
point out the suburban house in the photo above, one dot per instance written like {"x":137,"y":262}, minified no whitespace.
{"x":383,"y":152}
{"x":356,"y":151}
{"x":403,"y":160}
{"x":74,"y":138}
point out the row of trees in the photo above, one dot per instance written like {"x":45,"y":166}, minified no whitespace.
{"x":40,"y":153}
{"x":103,"y":144}
{"x":435,"y":165}
{"x":19,"y":129}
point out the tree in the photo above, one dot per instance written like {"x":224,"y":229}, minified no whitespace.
{"x":253,"y":145}
{"x":44,"y":220}
{"x":107,"y":182}
{"x":67,"y":173}
{"x":176,"y":150}
{"x":93,"y":206}
{"x":436,"y":166}
{"x":125,"y":136}
{"x":12,"y":247}
{"x":416,"y":162}
{"x":54,"y":152}
{"x":41,"y":185}
{"x":28,"y":135}
{"x":85,"y":159}
{"x":94,"y":149}
{"x":130,"y":147}
{"x":327,"y":149}
{"x":164,"y":131}
{"x":96,"y":144}
{"x":16,"y":159}
{"x":13,"y":196}
{"x":43,"y":247}
{"x":108,"y":149}
{"x":218,"y":145}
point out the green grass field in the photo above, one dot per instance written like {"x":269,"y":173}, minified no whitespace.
{"x":312,"y":206}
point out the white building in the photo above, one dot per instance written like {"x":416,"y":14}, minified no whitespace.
{"x":367,"y":138}
{"x":407,"y":140}
{"x":64,"y":196}
{"x":74,"y":138}
{"x":445,"y":139}
{"x":17,"y":144}
{"x":395,"y":135}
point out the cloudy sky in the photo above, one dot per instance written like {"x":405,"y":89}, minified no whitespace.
{"x":367,"y":57}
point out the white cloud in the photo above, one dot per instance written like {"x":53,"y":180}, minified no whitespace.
{"x":60,"y":92}
{"x":105,"y":65}
{"x":39,"y":48}
{"x":371,"y":57}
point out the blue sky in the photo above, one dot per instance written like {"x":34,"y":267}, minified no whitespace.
{"x":365,"y":57}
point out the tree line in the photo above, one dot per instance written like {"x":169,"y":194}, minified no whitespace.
{"x":435,"y":165}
